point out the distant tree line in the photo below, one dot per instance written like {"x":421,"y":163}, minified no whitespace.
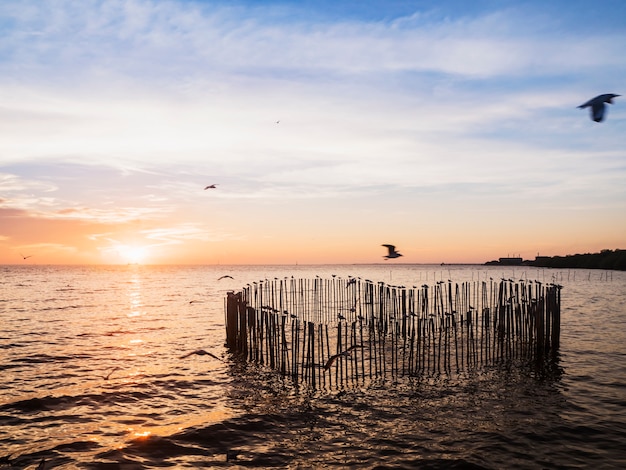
{"x":606,"y":259}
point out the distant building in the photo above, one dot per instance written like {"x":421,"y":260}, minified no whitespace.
{"x":511,"y":261}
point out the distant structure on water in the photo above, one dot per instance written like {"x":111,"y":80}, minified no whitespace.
{"x":509,"y":261}
{"x":605,"y":259}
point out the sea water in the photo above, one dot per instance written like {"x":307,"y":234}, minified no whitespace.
{"x":93,"y":376}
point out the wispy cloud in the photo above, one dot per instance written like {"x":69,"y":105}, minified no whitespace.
{"x":27,"y":195}
{"x":10,"y":183}
{"x":170,"y":37}
{"x":49,"y":248}
{"x":182,"y":233}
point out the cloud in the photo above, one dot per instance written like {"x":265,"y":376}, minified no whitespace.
{"x":182,"y":233}
{"x":187,"y":40}
{"x":75,"y":197}
{"x":10,"y":183}
{"x":117,"y":215}
{"x":41,"y":248}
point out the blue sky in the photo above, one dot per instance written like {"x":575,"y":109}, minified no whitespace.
{"x":448,"y":128}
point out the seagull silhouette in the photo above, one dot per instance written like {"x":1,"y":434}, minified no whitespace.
{"x":392,"y":252}
{"x":211,"y":186}
{"x":200,"y":352}
{"x":597,"y":105}
{"x":108,"y":376}
{"x":333,"y":358}
{"x":26,"y":257}
{"x":226,"y":276}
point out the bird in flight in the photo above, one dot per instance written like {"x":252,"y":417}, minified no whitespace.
{"x":26,"y":257}
{"x":211,"y":186}
{"x":200,"y":352}
{"x":226,"y":276}
{"x":333,"y":358}
{"x":108,"y":376}
{"x":392,"y":252}
{"x":597,"y":105}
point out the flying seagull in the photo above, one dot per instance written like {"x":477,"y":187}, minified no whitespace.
{"x":392,"y":252}
{"x":225,"y":276}
{"x":108,"y":376}
{"x":26,"y":257}
{"x":211,"y":186}
{"x":597,"y":105}
{"x":200,"y":352}
{"x":333,"y":358}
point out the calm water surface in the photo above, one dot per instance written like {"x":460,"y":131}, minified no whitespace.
{"x":92,"y":377}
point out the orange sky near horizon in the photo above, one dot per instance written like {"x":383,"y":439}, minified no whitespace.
{"x":61,"y":241}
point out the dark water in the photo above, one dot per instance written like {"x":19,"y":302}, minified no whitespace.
{"x":92,"y":377}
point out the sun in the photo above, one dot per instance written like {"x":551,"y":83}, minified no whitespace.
{"x":133,"y":254}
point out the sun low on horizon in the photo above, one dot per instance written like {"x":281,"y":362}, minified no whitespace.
{"x":195,"y":132}
{"x":133,"y":254}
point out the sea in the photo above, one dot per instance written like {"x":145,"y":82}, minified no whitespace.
{"x":97,"y":374}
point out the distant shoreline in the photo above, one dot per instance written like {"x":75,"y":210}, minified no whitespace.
{"x":605,"y":259}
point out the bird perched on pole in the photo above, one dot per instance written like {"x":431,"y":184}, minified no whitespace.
{"x":597,"y":105}
{"x":392,"y":253}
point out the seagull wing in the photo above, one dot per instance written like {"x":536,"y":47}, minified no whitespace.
{"x":213,"y":356}
{"x":391,"y":249}
{"x":588,"y":103}
{"x":597,"y":111}
{"x":330,"y":361}
{"x":187,"y":355}
{"x":108,"y":376}
{"x":200,"y":352}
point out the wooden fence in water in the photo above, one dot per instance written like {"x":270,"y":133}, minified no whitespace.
{"x":329,"y":332}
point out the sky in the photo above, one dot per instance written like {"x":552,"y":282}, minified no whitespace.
{"x":449,"y":129}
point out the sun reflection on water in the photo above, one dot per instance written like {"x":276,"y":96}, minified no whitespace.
{"x":139,"y":434}
{"x":134,"y":295}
